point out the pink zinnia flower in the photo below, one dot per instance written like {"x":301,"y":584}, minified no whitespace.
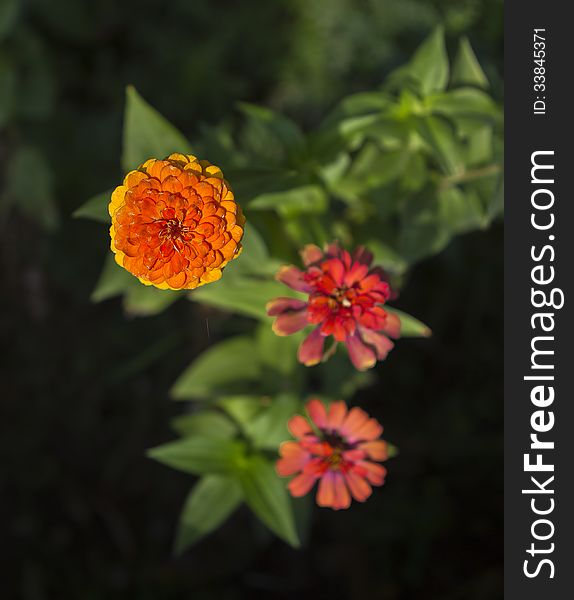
{"x":337,"y":448}
{"x":345,"y":301}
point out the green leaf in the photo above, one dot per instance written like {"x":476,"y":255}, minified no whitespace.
{"x":439,"y":134}
{"x":269,"y":428}
{"x":387,"y":257}
{"x":222,"y":365}
{"x":410,"y":327}
{"x":265,"y":493}
{"x":113,"y":281}
{"x":479,"y":147}
{"x":8,"y":15}
{"x":199,"y":455}
{"x":145,"y":300}
{"x":275,"y":126}
{"x":7,"y":90}
{"x":243,"y":409}
{"x":254,"y":259}
{"x":206,"y":423}
{"x":372,"y":168}
{"x":147,"y":134}
{"x":277,"y":352}
{"x":138,"y":299}
{"x":428,"y":68}
{"x":360,"y":104}
{"x":208,"y":505}
{"x":246,"y":296}
{"x":460,"y":211}
{"x":29,"y":187}
{"x":299,"y":200}
{"x":465,"y":102}
{"x":95,"y":208}
{"x":466,"y":69}
{"x":422,"y":230}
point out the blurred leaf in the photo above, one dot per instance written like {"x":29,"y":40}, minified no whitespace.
{"x":387,"y":257}
{"x":466,"y":69}
{"x":29,"y":187}
{"x":269,"y":429}
{"x":208,"y":505}
{"x":459,"y":211}
{"x":243,"y":409}
{"x":254,"y":259}
{"x":299,"y":200}
{"x":422,"y":231}
{"x":145,"y":300}
{"x":439,"y":134}
{"x":410,"y":327}
{"x":95,"y":208}
{"x":273,"y":126}
{"x":339,"y":378}
{"x":266,"y":495}
{"x":223,"y":364}
{"x":138,"y":299}
{"x":277,"y":352}
{"x":428,"y":68}
{"x":479,"y":147}
{"x":246,"y":296}
{"x":372,"y":168}
{"x":205,"y":423}
{"x":7,"y":90}
{"x":147,"y":134}
{"x":465,"y":102}
{"x":8,"y":14}
{"x":359,"y":104}
{"x":36,"y":82}
{"x":199,"y":456}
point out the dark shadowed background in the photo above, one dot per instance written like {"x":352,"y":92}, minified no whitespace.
{"x":84,"y":388}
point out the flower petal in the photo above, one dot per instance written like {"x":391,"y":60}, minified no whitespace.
{"x":333,"y":492}
{"x":294,"y":278}
{"x":326,"y":490}
{"x":342,"y":496}
{"x":371,"y":430}
{"x":362,"y":255}
{"x":280,"y":305}
{"x":336,"y":269}
{"x":293,"y":459}
{"x":311,"y":349}
{"x":361,"y":355}
{"x":392,"y":325}
{"x":376,"y":450}
{"x":301,"y":484}
{"x":311,"y":254}
{"x":337,"y":413}
{"x":299,"y":426}
{"x":353,"y":422}
{"x":290,"y":322}
{"x":374,"y":472}
{"x":317,"y":412}
{"x":355,"y":274}
{"x":359,"y":487}
{"x":380,"y":342}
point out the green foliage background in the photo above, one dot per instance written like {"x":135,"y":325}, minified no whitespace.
{"x":403,"y":167}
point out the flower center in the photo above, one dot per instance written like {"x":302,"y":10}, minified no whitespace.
{"x":173,"y":229}
{"x":340,"y":297}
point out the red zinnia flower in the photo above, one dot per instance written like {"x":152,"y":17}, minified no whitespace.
{"x":345,"y":301}
{"x":337,"y":448}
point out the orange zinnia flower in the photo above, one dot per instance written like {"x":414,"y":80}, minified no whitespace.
{"x":336,"y":448}
{"x":175,"y":223}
